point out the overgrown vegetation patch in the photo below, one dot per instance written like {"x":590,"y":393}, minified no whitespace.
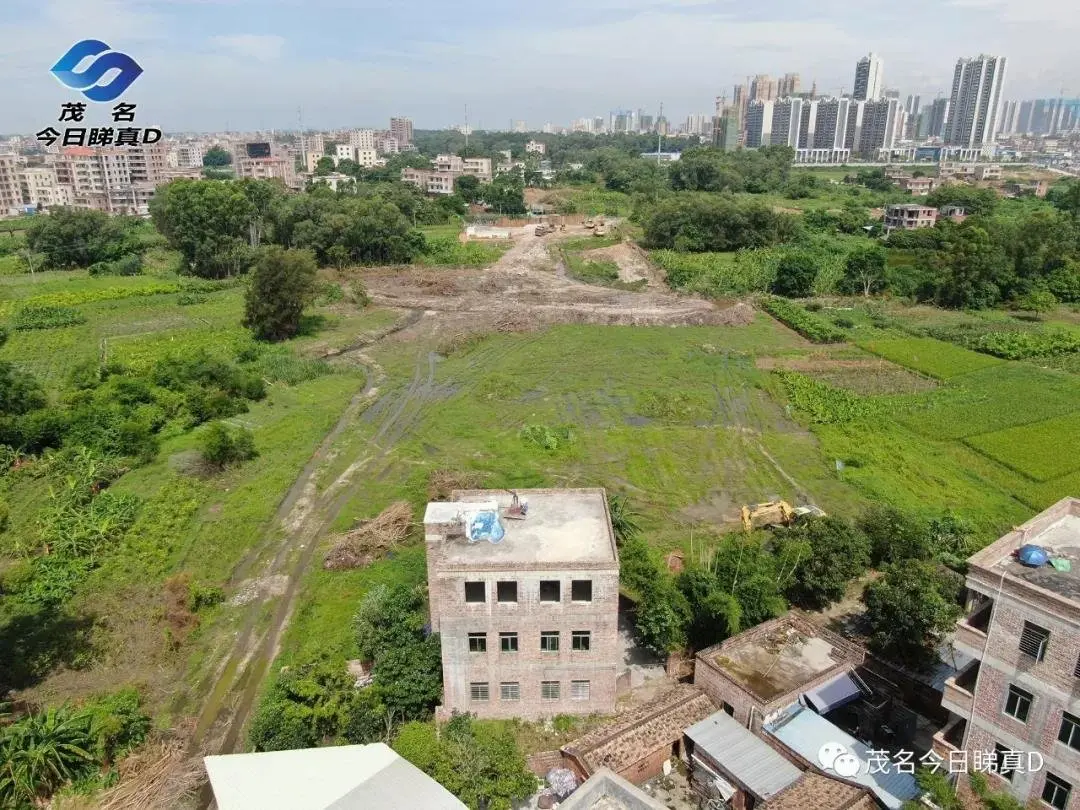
{"x":807,"y":324}
{"x":46,"y":317}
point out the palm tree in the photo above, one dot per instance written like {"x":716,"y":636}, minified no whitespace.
{"x":623,"y":519}
{"x":41,"y":752}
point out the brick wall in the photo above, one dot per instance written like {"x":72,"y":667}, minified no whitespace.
{"x":454,"y":619}
{"x":652,"y":764}
{"x":542,"y":762}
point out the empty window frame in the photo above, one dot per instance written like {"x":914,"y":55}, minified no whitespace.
{"x":581,"y":590}
{"x":549,"y":641}
{"x":477,"y":642}
{"x":580,"y":640}
{"x":550,"y":590}
{"x":475,"y":592}
{"x":506,"y":591}
{"x":508,"y":642}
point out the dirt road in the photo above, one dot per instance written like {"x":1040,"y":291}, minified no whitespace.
{"x":521,"y":287}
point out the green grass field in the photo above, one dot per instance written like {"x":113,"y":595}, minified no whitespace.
{"x":1042,"y":450}
{"x":934,"y":358}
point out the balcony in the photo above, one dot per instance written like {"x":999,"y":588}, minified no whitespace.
{"x":970,"y":633}
{"x":959,"y":693}
{"x":950,"y":738}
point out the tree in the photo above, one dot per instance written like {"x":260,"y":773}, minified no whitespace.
{"x":217,"y":157}
{"x":468,"y":188}
{"x":970,"y":270}
{"x":477,"y":761}
{"x":222,"y":446}
{"x":624,"y":521}
{"x":1065,"y":196}
{"x":208,"y":222}
{"x":864,"y":271}
{"x":795,"y":275}
{"x":894,"y":536}
{"x":715,"y":614}
{"x":1039,"y":302}
{"x":506,"y":194}
{"x":838,"y":552}
{"x":697,"y":222}
{"x":282,"y":284}
{"x":662,"y":612}
{"x":975,"y":201}
{"x":75,"y":237}
{"x":874,"y":179}
{"x":909,"y":611}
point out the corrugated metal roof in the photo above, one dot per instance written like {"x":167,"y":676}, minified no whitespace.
{"x":838,"y":692}
{"x":747,"y":759}
{"x":805,"y":732}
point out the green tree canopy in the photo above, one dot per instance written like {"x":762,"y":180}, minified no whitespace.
{"x":216,"y":157}
{"x":208,"y":222}
{"x":75,"y":237}
{"x":910,"y":609}
{"x":974,"y":201}
{"x":864,"y":271}
{"x":282,"y":284}
{"x":698,"y":222}
{"x":468,"y":188}
{"x":795,"y":274}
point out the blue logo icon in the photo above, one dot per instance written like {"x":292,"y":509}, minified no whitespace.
{"x":87,"y":80}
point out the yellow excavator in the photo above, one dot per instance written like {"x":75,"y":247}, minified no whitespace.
{"x":776,"y":513}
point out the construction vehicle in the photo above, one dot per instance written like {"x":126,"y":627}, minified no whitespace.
{"x":589,"y":223}
{"x":545,"y":228}
{"x":776,"y":513}
{"x":600,"y":229}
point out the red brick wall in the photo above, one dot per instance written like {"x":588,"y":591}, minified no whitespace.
{"x":647,"y":767}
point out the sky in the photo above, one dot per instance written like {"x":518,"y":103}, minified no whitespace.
{"x":250,"y":64}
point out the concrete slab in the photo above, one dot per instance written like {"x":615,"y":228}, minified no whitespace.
{"x":563,"y":527}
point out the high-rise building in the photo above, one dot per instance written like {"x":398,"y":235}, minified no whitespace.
{"x":787,"y":122}
{"x":598,"y":125}
{"x":911,"y":107}
{"x":1007,"y":121}
{"x":759,"y":119}
{"x":869,"y":78}
{"x":646,"y":124}
{"x":401,"y":130}
{"x":726,"y":125}
{"x":975,"y":102}
{"x":362,"y":139}
{"x":873,"y":125}
{"x":10,"y":190}
{"x":937,"y":118}
{"x":519,"y":126}
{"x":762,"y":88}
{"x":788,"y":85}
{"x":830,"y":123}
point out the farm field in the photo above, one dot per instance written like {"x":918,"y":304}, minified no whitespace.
{"x":931,"y":357}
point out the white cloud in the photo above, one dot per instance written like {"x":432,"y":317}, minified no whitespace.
{"x":263,"y":47}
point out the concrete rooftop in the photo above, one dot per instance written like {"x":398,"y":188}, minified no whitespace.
{"x":1057,"y":530}
{"x":563,"y":527}
{"x":778,"y":662}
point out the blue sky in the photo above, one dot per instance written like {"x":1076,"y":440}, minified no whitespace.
{"x":249,"y":64}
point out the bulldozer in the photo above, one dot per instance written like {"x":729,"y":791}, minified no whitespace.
{"x":776,"y":513}
{"x":600,"y":229}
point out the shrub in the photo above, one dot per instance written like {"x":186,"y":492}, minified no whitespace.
{"x":810,"y":326}
{"x":359,"y":293}
{"x":547,"y":438}
{"x":129,"y":265}
{"x":1022,"y":345}
{"x":221,"y":446}
{"x":188,"y":299}
{"x":46,"y":317}
{"x":795,"y":275}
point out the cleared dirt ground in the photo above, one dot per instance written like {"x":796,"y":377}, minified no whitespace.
{"x":523,"y":288}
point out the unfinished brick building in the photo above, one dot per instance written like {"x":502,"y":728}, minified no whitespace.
{"x":1022,"y":691}
{"x":761,"y":671}
{"x":526,"y":604}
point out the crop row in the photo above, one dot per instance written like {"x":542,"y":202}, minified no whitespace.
{"x":77,"y":297}
{"x":807,"y":324}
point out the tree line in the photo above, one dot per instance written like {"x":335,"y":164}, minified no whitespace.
{"x":744,"y":580}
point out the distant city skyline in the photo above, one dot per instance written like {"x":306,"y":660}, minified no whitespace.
{"x":359,"y":62}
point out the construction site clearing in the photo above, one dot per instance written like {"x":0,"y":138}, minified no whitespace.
{"x":528,"y":288}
